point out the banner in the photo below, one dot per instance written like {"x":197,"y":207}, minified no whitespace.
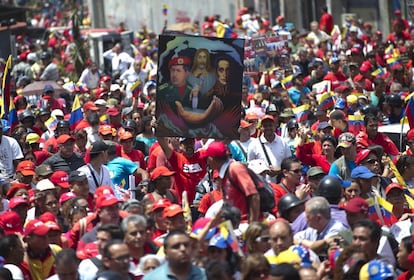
{"x":199,"y":87}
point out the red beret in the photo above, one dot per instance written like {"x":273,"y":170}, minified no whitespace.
{"x":179,"y":60}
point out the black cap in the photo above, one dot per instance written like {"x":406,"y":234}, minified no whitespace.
{"x":97,"y":147}
{"x":76,"y":176}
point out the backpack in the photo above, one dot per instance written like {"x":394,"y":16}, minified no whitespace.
{"x":266,"y":193}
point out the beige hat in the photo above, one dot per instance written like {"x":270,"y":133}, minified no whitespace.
{"x":44,"y":185}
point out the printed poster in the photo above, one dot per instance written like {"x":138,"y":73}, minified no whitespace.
{"x":199,"y":86}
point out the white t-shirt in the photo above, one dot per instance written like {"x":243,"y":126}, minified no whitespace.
{"x":9,"y":151}
{"x":102,"y":179}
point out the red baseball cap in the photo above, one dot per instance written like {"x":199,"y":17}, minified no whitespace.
{"x":106,"y":200}
{"x":10,"y":222}
{"x":66,"y":196}
{"x":172,"y":210}
{"x":101,"y":92}
{"x":53,"y":226}
{"x":106,"y":129}
{"x":36,"y":227}
{"x":410,"y":134}
{"x":356,"y":205}
{"x":215,"y":149}
{"x":60,"y":178}
{"x":363,"y":155}
{"x":125,"y":135}
{"x":244,"y":124}
{"x":26,"y":167}
{"x":16,"y":201}
{"x":161,"y":171}
{"x":47,"y":217}
{"x":161,"y":204}
{"x":393,"y":186}
{"x":113,"y":112}
{"x":268,"y":118}
{"x":103,"y":190}
{"x":15,"y":185}
{"x":62,"y":139}
{"x":89,"y":106}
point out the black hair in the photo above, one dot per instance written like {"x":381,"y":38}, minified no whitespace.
{"x":171,"y":234}
{"x":287,"y":163}
{"x":331,"y":139}
{"x":285,"y":270}
{"x":375,"y":229}
{"x":7,"y":244}
{"x":113,"y":230}
{"x":370,"y":117}
{"x":105,"y":252}
{"x":66,"y":256}
{"x":407,"y":242}
{"x":404,"y":162}
{"x":216,"y":269}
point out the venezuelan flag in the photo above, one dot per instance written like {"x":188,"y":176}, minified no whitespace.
{"x":379,"y":72}
{"x":393,"y":63}
{"x":380,"y":209}
{"x":389,"y":52}
{"x":226,"y":231}
{"x":355,"y":122}
{"x":301,"y":112}
{"x":51,"y":123}
{"x":322,"y":87}
{"x":8,"y":111}
{"x":287,"y":82}
{"x":76,"y":115}
{"x":165,"y":9}
{"x":326,"y":100}
{"x":136,"y":88}
{"x":407,"y":193}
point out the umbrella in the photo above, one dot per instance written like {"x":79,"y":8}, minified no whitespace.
{"x":182,"y":27}
{"x":38,"y":86}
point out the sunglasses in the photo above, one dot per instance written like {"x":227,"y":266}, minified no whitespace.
{"x":372,"y":160}
{"x":297,"y":171}
{"x":265,"y":238}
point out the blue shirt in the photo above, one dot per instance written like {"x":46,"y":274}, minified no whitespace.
{"x":296,"y":94}
{"x":311,"y":234}
{"x":119,"y":171}
{"x":163,"y":272}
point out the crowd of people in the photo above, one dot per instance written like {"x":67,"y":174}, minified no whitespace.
{"x":104,"y":198}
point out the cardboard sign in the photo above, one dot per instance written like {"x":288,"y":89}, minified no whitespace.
{"x":199,"y":86}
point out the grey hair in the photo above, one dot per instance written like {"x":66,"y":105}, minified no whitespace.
{"x":149,"y":257}
{"x":319,"y":205}
{"x":135,"y":220}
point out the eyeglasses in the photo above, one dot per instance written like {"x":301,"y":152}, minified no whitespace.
{"x":372,"y":160}
{"x":265,"y":238}
{"x":297,"y":171}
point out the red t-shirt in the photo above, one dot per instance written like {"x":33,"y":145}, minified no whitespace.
{"x":135,"y":156}
{"x":189,"y":172}
{"x":208,"y":200}
{"x":243,"y":188}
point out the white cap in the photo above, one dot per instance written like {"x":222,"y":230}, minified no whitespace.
{"x":353,"y":28}
{"x":258,"y":166}
{"x":115,"y":87}
{"x":32,"y":57}
{"x":100,"y":102}
{"x":57,"y":113}
{"x":44,"y":185}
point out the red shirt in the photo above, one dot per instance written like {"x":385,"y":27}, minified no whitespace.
{"x":335,"y":79}
{"x":135,"y":156}
{"x":279,"y":191}
{"x":383,"y":140}
{"x":208,"y":200}
{"x":244,"y":187}
{"x":82,"y":125}
{"x":326,"y":23}
{"x":305,"y":155}
{"x":189,"y":171}
{"x":50,"y":145}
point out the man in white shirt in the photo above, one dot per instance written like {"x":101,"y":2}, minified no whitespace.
{"x":120,"y":60}
{"x":269,"y":147}
{"x":10,"y":154}
{"x":96,"y":172}
{"x":133,"y":74}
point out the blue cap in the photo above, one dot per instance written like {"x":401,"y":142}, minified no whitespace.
{"x":4,"y":125}
{"x":218,"y":241}
{"x":48,"y":88}
{"x":340,"y":104}
{"x":376,"y":270}
{"x":362,"y":172}
{"x":303,"y":253}
{"x":323,"y":125}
